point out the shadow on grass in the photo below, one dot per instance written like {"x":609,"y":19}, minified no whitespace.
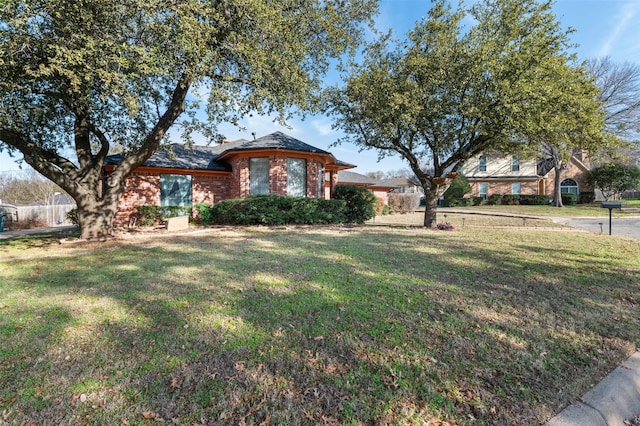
{"x":321,"y":326}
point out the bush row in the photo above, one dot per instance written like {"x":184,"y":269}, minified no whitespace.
{"x":522,"y":199}
{"x":349,"y":205}
{"x":152,"y":215}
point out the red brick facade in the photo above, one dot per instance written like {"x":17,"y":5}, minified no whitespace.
{"x":143,"y":186}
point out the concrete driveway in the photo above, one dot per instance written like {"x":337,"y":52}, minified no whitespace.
{"x":623,"y":227}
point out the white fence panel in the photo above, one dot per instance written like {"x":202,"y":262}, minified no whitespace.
{"x":48,"y":215}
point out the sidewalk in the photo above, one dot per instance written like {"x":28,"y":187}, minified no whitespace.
{"x":615,"y":401}
{"x":12,"y":234}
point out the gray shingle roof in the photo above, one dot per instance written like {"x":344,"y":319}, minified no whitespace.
{"x":199,"y":157}
{"x":357,"y":178}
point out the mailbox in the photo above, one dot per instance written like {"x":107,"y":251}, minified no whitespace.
{"x":610,"y":205}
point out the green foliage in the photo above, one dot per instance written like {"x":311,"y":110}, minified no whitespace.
{"x":457,"y":202}
{"x":272,"y":210}
{"x":403,"y":202}
{"x":587,"y":197}
{"x":72,"y":216}
{"x":569,"y":199}
{"x":477,"y":201}
{"x":360,"y":202}
{"x":99,"y":75}
{"x":458,"y":188}
{"x":494,"y":200}
{"x":510,"y":199}
{"x":452,"y":89}
{"x":614,"y":178}
{"x":153,"y":215}
{"x":535,"y":200}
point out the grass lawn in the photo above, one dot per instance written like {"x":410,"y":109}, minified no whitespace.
{"x":313,"y":325}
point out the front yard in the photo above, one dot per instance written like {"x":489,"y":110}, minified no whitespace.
{"x":313,"y":325}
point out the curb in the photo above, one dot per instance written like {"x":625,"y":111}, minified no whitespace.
{"x":612,"y":402}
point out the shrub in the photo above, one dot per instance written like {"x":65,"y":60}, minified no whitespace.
{"x":403,"y":203}
{"x":153,"y":215}
{"x":586,"y":198}
{"x":510,"y":199}
{"x":494,"y":200}
{"x":477,"y":201}
{"x":458,"y":188}
{"x":444,"y":227}
{"x":360,"y":202}
{"x":72,"y":216}
{"x":456,"y":202}
{"x":569,"y":199}
{"x":535,"y":200}
{"x":272,"y":210}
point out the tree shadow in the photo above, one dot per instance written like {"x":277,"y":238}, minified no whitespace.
{"x":326,"y":325}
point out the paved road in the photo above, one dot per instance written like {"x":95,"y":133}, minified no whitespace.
{"x":625,"y":227}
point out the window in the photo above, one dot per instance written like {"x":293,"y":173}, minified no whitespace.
{"x":569,"y":186}
{"x":515,"y":164}
{"x":175,"y":190}
{"x":297,"y":177}
{"x":259,"y":175}
{"x":482,"y":163}
{"x":483,"y":190}
{"x":515,"y":188}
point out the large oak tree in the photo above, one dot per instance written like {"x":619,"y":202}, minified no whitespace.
{"x":495,"y":76}
{"x":80,"y":78}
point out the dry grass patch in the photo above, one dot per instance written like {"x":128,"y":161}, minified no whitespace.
{"x":308,"y":325}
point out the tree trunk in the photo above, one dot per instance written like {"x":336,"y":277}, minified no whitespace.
{"x":96,"y":218}
{"x":557,"y":196}
{"x":431,"y":206}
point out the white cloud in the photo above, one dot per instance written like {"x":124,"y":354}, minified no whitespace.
{"x":623,"y":18}
{"x":323,"y":127}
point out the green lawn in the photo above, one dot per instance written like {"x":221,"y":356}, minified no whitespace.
{"x":309,"y":325}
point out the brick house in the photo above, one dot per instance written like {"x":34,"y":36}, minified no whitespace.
{"x":500,"y":174}
{"x":275,"y":164}
{"x":379,"y":188}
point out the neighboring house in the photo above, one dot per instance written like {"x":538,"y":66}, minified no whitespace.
{"x":499,"y":174}
{"x":380,"y":188}
{"x":275,"y":164}
{"x":409,"y":185}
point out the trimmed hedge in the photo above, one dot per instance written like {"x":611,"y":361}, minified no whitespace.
{"x":569,"y":199}
{"x":151,"y":215}
{"x":535,"y":200}
{"x":360,"y":203}
{"x":457,"y":202}
{"x":273,"y":210}
{"x":586,"y":198}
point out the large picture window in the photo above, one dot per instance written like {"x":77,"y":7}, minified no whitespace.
{"x":175,"y":190}
{"x":297,"y":177}
{"x":259,"y":175}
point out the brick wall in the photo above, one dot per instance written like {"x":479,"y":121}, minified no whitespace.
{"x":141,"y":189}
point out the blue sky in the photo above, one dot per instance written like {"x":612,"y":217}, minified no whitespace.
{"x":602,"y":28}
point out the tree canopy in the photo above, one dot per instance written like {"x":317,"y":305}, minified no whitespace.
{"x":614,"y":178}
{"x":452,"y":90}
{"x":82,"y":78}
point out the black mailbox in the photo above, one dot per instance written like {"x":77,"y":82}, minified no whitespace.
{"x":611,"y":205}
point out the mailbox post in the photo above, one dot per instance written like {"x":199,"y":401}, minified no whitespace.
{"x":611,"y":206}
